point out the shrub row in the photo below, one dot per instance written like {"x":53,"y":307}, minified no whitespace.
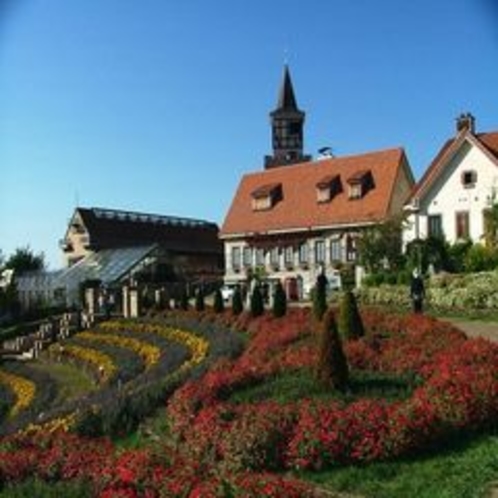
{"x":444,"y":292}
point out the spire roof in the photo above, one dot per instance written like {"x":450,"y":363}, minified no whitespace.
{"x":286,"y":97}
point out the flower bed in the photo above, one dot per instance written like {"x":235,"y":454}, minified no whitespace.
{"x":34,"y":392}
{"x":221,"y":448}
{"x":458,"y":391}
{"x":51,"y":455}
{"x":149,"y":354}
{"x":117,"y":407}
{"x":63,"y":457}
{"x":101,"y":364}
{"x":24,"y":390}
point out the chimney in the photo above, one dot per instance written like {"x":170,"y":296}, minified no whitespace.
{"x":466,"y":122}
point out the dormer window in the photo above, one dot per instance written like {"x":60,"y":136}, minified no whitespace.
{"x":266,"y":196}
{"x":327,"y":188}
{"x":469,"y":178}
{"x":360,"y":183}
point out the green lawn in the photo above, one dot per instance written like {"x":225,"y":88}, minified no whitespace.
{"x":289,"y":386}
{"x":71,"y":380}
{"x":465,"y":470}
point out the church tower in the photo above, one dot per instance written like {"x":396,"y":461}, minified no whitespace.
{"x":287,"y":128}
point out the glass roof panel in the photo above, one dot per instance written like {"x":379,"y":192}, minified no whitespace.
{"x":108,"y":265}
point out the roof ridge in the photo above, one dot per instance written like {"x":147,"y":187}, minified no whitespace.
{"x":318,"y":162}
{"x":143,"y":217}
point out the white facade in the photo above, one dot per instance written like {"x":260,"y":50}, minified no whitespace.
{"x":297,"y":266}
{"x":452,"y":202}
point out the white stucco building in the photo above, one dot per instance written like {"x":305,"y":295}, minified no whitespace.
{"x":459,"y":186}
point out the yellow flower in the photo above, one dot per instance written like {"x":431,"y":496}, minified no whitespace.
{"x":149,"y":353}
{"x":98,"y":360}
{"x":198,"y":346}
{"x":24,"y":390}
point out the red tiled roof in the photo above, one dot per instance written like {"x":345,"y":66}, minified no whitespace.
{"x":299,"y":207}
{"x":489,"y":141}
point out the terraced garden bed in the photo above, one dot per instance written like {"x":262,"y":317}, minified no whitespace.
{"x":251,"y":421}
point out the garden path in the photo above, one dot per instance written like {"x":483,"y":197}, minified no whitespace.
{"x":476,"y":328}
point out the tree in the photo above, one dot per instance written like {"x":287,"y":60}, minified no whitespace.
{"x":237,"y":304}
{"x":279,"y":301}
{"x":320,"y":297}
{"x":24,"y":260}
{"x":381,"y":245}
{"x":332,"y":370}
{"x":481,"y":258}
{"x":257,"y":305}
{"x":218,"y":304}
{"x":350,"y":323}
{"x":432,"y":251}
{"x":491,"y":225}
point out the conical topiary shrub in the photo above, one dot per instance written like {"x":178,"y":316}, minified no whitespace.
{"x":184,"y":304}
{"x":257,"y":306}
{"x":349,"y":322}
{"x":218,"y":304}
{"x":332,"y":370}
{"x":237,"y":304}
{"x":279,"y":301}
{"x":320,"y":297}
{"x":200,"y":305}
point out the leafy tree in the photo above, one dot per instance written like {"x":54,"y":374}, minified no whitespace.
{"x":320,"y":297}
{"x":457,"y":255}
{"x":433,"y":251}
{"x":491,"y":225}
{"x":279,"y":301}
{"x":381,"y":245}
{"x":237,"y":304}
{"x":332,"y":370}
{"x":349,"y":322}
{"x":257,"y":306}
{"x":218,"y":304}
{"x":24,"y":260}
{"x":481,"y":258}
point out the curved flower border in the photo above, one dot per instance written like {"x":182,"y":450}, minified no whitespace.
{"x":24,"y":390}
{"x":458,"y":392}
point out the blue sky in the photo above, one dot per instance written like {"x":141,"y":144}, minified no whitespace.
{"x":162,"y":105}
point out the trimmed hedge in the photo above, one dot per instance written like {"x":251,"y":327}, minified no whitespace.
{"x":444,"y":292}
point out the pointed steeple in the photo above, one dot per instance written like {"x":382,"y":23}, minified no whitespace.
{"x":286,"y":97}
{"x":287,"y":127}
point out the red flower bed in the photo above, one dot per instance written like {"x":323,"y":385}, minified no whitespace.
{"x":226,"y":449}
{"x":133,"y":473}
{"x":458,"y":391}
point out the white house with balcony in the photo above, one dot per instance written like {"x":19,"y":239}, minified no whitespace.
{"x":452,"y":198}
